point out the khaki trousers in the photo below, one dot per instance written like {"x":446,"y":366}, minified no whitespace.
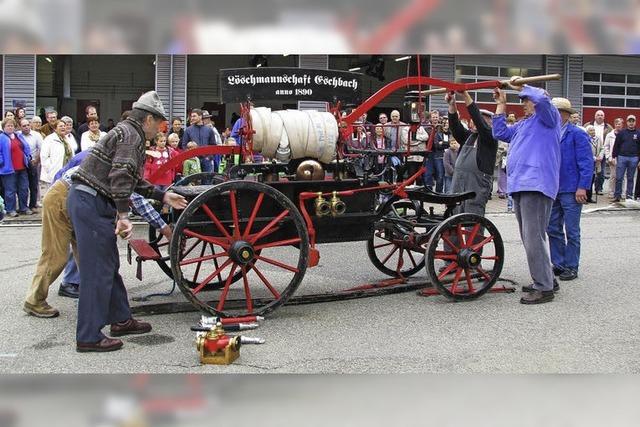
{"x":57,"y":235}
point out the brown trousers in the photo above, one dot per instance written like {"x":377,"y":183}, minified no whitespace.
{"x":57,"y":235}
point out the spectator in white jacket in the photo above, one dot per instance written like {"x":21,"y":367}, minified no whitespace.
{"x":89,"y":138}
{"x":609,"y":141}
{"x":55,"y":153}
{"x":69,"y":134}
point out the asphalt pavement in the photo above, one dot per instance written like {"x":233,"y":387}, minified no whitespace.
{"x":591,"y":326}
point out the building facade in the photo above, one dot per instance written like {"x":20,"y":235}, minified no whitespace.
{"x":112,"y":82}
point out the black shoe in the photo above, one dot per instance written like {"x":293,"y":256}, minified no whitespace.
{"x":568,"y":275}
{"x":616,"y":200}
{"x":529,"y":288}
{"x":557,"y":271}
{"x":537,"y":297}
{"x":69,"y":290}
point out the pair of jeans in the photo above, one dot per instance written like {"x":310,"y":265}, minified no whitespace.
{"x":206,"y":165}
{"x":71,"y":274}
{"x":427,"y":176}
{"x":600,"y":176}
{"x":625,"y":166}
{"x":447,"y":184}
{"x":438,"y":166}
{"x":564,"y":232}
{"x":16,"y":183}
{"x":34,"y":186}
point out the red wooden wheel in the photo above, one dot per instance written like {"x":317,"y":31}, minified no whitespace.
{"x":248,"y":231}
{"x":394,"y":249}
{"x":464,"y":256}
{"x":161,"y":245}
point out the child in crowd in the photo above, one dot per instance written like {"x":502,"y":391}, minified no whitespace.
{"x":174,"y":140}
{"x":191,"y":166}
{"x":449,"y":160}
{"x":156,"y":158}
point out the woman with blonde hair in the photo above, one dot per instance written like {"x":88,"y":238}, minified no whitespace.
{"x":55,"y":153}
{"x":70,"y":134}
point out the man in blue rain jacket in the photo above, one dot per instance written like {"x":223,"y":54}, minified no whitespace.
{"x":533,"y":176}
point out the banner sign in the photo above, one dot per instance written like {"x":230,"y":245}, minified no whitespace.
{"x":290,"y":84}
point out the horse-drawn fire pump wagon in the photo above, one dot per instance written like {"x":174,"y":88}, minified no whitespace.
{"x":244,"y":242}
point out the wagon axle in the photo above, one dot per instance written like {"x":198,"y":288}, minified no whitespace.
{"x":241,"y":252}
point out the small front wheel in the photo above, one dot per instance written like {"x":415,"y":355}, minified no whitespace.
{"x":464,"y":256}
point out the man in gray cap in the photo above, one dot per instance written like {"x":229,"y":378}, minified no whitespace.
{"x":98,"y":206}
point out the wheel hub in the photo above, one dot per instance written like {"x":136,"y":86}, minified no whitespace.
{"x":241,"y":252}
{"x":469,"y":259}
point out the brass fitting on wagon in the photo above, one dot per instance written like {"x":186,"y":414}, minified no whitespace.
{"x":338,"y":207}
{"x":323,"y":207}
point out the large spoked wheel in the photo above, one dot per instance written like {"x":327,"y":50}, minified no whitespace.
{"x":252,"y":230}
{"x":161,"y":245}
{"x":465,"y":256}
{"x":395,"y":248}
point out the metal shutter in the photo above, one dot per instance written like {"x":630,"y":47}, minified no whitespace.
{"x":614,"y":64}
{"x":555,"y":64}
{"x":522,"y":61}
{"x":179,"y":108}
{"x":19,"y":82}
{"x":171,"y":84}
{"x":313,"y":61}
{"x":444,"y":68}
{"x":574,"y":80}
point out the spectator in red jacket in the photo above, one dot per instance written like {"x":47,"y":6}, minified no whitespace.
{"x":157,"y":157}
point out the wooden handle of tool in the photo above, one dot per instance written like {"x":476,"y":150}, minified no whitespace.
{"x":504,"y":83}
{"x":524,"y":80}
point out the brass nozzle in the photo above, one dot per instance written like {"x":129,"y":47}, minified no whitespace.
{"x":323,"y":207}
{"x":338,"y":207}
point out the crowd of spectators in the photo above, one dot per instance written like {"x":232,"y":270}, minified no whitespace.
{"x":609,"y":162}
{"x":32,"y":153}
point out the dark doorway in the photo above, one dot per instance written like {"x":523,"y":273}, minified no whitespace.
{"x":81,"y":104}
{"x":218,"y":114}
